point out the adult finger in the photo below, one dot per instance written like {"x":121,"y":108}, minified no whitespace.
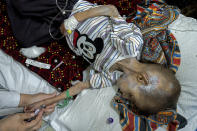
{"x":36,"y":121}
{"x":51,"y":106}
{"x":32,"y":107}
{"x":38,"y":126}
{"x":24,"y":116}
{"x":28,"y":109}
{"x":48,"y":111}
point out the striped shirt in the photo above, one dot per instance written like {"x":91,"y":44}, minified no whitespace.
{"x":103,"y":41}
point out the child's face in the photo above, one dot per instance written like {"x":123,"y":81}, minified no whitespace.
{"x":134,"y":85}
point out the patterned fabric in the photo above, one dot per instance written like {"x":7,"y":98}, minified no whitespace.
{"x":102,"y":41}
{"x":160,"y":45}
{"x":131,"y":121}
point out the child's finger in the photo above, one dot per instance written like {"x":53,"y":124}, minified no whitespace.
{"x":51,"y":106}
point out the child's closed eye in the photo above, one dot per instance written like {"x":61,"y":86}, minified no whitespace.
{"x":142,"y":78}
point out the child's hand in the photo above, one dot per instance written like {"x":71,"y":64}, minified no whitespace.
{"x":69,"y":25}
{"x":111,"y":10}
{"x":62,"y":28}
{"x":16,"y":122}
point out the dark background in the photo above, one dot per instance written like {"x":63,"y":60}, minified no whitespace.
{"x":188,"y":7}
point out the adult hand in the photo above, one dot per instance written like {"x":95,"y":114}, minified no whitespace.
{"x":16,"y":122}
{"x":36,"y":101}
{"x":27,"y":99}
{"x":74,"y":90}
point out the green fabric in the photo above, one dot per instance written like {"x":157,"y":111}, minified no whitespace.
{"x":66,"y":100}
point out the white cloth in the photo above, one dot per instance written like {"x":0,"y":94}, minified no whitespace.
{"x":16,"y":79}
{"x":88,"y":112}
{"x":185,"y":31}
{"x":70,"y":23}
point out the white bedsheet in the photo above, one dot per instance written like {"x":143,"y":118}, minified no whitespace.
{"x":185,"y":31}
{"x":89,"y":112}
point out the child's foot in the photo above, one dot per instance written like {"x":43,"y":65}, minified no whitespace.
{"x":32,"y":52}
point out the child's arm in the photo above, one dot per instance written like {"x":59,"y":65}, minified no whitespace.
{"x":103,"y":10}
{"x":74,"y":90}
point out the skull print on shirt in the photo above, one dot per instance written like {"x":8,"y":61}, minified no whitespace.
{"x":87,"y":47}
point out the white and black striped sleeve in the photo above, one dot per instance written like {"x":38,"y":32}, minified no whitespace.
{"x":126,"y":37}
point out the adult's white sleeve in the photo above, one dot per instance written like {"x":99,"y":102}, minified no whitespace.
{"x":9,"y":99}
{"x":15,"y":79}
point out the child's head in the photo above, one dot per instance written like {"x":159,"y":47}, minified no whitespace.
{"x":152,"y":89}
